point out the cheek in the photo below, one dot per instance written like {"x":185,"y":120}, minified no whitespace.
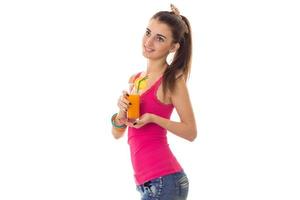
{"x":144,"y":40}
{"x":164,"y":48}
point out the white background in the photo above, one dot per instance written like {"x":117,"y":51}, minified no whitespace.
{"x":63,"y":64}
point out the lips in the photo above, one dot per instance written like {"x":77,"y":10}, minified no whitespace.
{"x":149,"y":50}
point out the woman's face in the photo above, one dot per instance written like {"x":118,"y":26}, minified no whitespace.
{"x":157,"y":40}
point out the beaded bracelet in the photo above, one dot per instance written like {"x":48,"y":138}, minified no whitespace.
{"x":123,"y":126}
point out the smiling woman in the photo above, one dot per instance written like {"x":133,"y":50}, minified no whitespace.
{"x":160,"y":88}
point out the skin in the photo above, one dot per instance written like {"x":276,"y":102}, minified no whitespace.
{"x":157,"y":43}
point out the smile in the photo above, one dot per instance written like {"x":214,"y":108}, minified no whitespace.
{"x":149,"y":50}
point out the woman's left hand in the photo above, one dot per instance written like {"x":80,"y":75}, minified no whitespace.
{"x":143,"y":120}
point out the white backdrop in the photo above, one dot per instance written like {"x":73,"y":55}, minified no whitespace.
{"x":64,"y":63}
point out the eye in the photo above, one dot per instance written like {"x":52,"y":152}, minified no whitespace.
{"x":160,"y":39}
{"x":147,"y":33}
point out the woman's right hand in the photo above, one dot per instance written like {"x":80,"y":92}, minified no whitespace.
{"x":123,"y":104}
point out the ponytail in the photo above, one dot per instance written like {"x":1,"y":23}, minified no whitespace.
{"x":181,"y":63}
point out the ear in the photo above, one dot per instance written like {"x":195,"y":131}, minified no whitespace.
{"x":174,"y":47}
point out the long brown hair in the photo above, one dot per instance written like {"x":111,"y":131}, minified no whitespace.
{"x":181,"y":63}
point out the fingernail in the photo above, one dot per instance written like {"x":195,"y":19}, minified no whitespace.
{"x":130,"y":103}
{"x":127,"y":94}
{"x":134,"y":123}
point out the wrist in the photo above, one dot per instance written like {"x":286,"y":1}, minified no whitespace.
{"x":119,"y":121}
{"x":116,"y":122}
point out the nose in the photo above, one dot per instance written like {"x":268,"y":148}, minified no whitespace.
{"x":148,"y":41}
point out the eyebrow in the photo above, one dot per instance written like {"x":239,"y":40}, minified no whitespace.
{"x":157,"y":34}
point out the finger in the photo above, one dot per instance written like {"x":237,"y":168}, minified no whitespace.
{"x":124,"y":100}
{"x":120,"y":99}
{"x":123,"y":106}
{"x":136,"y":125}
{"x":129,"y":124}
{"x":125,"y":93}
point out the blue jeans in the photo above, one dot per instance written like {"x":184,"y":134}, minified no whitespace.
{"x":170,"y":187}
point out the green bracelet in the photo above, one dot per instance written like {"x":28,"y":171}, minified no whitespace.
{"x":114,"y":124}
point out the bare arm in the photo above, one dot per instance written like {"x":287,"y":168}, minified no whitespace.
{"x":115,"y":131}
{"x":186,"y":128}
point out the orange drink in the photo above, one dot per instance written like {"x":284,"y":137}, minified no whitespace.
{"x":133,"y":111}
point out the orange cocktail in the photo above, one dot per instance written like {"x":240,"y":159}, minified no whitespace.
{"x":133,"y":111}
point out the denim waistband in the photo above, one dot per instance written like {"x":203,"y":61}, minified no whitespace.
{"x":146,"y":184}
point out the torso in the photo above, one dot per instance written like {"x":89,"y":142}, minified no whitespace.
{"x":150,"y":153}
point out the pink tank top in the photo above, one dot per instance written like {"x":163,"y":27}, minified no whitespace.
{"x":151,"y":156}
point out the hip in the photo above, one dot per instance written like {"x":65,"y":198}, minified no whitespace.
{"x":169,"y":187}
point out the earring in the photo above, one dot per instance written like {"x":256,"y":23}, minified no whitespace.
{"x":170,"y":57}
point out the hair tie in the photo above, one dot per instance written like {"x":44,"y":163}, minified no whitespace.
{"x":175,"y":10}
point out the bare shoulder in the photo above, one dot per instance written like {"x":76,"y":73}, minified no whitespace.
{"x":180,"y":86}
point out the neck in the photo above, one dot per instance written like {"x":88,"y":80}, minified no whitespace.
{"x":156,"y":66}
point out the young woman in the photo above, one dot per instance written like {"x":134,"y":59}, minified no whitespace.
{"x":158,"y":174}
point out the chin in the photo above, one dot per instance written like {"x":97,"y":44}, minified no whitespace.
{"x":146,"y":55}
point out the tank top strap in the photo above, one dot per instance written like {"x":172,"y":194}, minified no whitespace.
{"x":156,"y":85}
